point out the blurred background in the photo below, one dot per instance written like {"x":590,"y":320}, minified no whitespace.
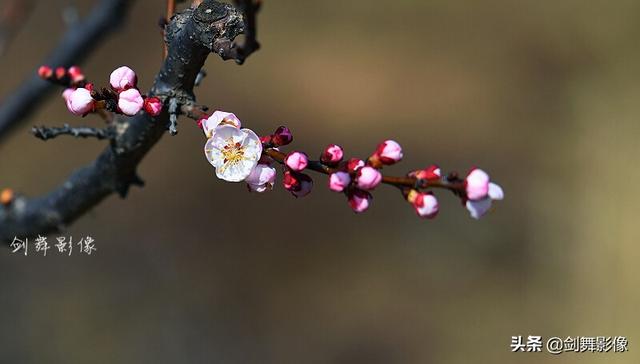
{"x":541,"y":94}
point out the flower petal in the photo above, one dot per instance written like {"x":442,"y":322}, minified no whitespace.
{"x":495,"y":191}
{"x":478,"y":208}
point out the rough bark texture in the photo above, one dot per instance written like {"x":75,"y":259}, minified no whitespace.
{"x":191,"y":36}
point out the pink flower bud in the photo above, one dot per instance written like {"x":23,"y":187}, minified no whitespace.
{"x":89,"y":86}
{"x":368,"y":178}
{"x":477,"y":184}
{"x":76,"y":74}
{"x":60,"y":72}
{"x":262,"y":178}
{"x":332,"y":155}
{"x":354,"y":164}
{"x":282,"y":136}
{"x":80,"y":102}
{"x":297,"y":161}
{"x":153,"y":106}
{"x":130,"y":102}
{"x":389,"y":152}
{"x":123,"y":78}
{"x":338,"y":181}
{"x":359,"y":200}
{"x":425,"y":204}
{"x":45,"y":72}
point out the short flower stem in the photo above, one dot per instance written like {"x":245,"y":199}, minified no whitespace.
{"x":450,"y":182}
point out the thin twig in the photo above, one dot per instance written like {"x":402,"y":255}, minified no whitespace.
{"x":46,"y":133}
{"x":450,"y":182}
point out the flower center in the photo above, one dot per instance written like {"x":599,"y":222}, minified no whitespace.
{"x":233,"y":153}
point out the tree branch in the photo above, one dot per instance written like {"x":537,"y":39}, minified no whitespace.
{"x":190,"y":36}
{"x":46,"y":133}
{"x":449,"y":182}
{"x":74,"y":46}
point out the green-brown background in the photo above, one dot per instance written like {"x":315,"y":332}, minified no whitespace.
{"x":543,"y":94}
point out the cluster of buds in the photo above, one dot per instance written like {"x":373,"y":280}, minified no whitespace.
{"x":82,"y":98}
{"x":67,"y":77}
{"x":238,"y":154}
{"x":355,"y":177}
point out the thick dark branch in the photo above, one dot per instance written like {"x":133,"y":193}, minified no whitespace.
{"x":190,"y":35}
{"x":46,"y":133}
{"x":74,"y":46}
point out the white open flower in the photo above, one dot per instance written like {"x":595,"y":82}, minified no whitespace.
{"x":233,"y":152}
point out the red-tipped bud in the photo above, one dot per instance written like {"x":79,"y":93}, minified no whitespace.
{"x":299,"y":184}
{"x":354,"y":164}
{"x":290,"y":181}
{"x":89,"y":86}
{"x":388,"y":152}
{"x":332,"y":155}
{"x":430,"y":173}
{"x":60,"y":73}
{"x":76,"y":74}
{"x":45,"y":72}
{"x":425,"y":204}
{"x":153,"y":106}
{"x":282,"y":136}
{"x":359,"y":200}
{"x":297,"y":161}
{"x":266,"y":139}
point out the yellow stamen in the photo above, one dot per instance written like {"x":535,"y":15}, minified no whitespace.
{"x":233,"y":153}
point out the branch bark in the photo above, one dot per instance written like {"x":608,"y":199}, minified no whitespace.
{"x":74,"y":46}
{"x":46,"y":133}
{"x":191,"y":36}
